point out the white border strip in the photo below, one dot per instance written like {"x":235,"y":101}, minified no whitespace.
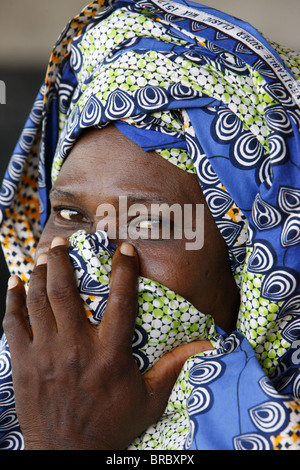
{"x":290,"y":83}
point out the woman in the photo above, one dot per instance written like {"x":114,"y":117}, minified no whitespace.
{"x":132,"y":87}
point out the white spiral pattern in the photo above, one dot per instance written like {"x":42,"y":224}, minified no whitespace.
{"x":8,"y":419}
{"x":42,"y":175}
{"x":5,"y":365}
{"x":76,"y":58}
{"x":231,"y":343}
{"x":26,"y":139}
{"x":277,"y":149}
{"x":232,"y":62}
{"x":65,"y":94}
{"x":37,"y":112}
{"x":151,"y":98}
{"x":90,"y":285}
{"x":91,"y":113}
{"x":268,"y":417}
{"x":296,"y":388}
{"x":295,"y":117}
{"x":12,"y":441}
{"x":206,"y":172}
{"x":119,"y":105}
{"x":242,"y":49}
{"x":16,"y":166}
{"x":228,"y":125}
{"x":9,"y":426}
{"x":6,"y":394}
{"x":269,"y":390}
{"x":194,"y":56}
{"x":278,"y":285}
{"x":261,"y":259}
{"x":289,"y":199}
{"x":218,"y":201}
{"x":198,"y":401}
{"x":190,"y":437}
{"x":263,"y":69}
{"x":278,"y":120}
{"x":251,"y":442}
{"x":278,"y":91}
{"x":179,"y":92}
{"x":7,"y":193}
{"x":264,"y":215}
{"x":247,"y":150}
{"x":66,"y":146}
{"x":229,"y":231}
{"x":265,"y":172}
{"x":290,"y":307}
{"x":290,"y":234}
{"x":204,"y":372}
{"x":291,"y":332}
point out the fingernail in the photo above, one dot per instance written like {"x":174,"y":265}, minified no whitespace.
{"x":12,"y":282}
{"x":42,"y":259}
{"x":127,"y":249}
{"x":58,"y":241}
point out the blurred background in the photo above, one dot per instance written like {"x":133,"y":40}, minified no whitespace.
{"x":29,"y":28}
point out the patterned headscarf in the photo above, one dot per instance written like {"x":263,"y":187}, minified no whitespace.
{"x":211,"y":95}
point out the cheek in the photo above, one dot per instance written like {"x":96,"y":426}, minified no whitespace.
{"x":45,"y":242}
{"x":50,"y":231}
{"x":169,"y":264}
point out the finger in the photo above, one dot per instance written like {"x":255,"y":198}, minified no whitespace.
{"x":161,"y":378}
{"x":62,"y":289}
{"x":15,"y":322}
{"x":118,"y":323}
{"x":39,"y":309}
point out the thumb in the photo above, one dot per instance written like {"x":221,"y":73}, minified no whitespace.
{"x":161,"y":378}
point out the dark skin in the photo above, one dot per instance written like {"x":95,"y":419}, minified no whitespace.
{"x":102,"y":401}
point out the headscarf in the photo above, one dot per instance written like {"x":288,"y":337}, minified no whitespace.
{"x":211,"y":95}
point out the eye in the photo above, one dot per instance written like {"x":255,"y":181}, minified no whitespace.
{"x":148,"y":224}
{"x":145,"y":228}
{"x":70,"y":215}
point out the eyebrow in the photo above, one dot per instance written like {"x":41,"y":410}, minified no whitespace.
{"x":59,"y":193}
{"x":132,"y":198}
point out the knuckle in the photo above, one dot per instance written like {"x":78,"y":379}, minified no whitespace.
{"x":48,"y":367}
{"x":37,"y":302}
{"x":123,"y":300}
{"x":57,"y":257}
{"x":56,"y":252}
{"x":77,"y":357}
{"x":8,"y":323}
{"x":59,"y":292}
{"x":12,"y":317}
{"x":112,"y":367}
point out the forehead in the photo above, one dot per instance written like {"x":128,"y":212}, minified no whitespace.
{"x":107,"y":163}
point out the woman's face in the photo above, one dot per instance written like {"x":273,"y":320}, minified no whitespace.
{"x":105,"y":166}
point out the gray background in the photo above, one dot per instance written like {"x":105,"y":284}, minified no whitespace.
{"x":29,"y":28}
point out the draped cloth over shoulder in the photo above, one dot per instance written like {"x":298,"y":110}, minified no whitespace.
{"x":211,"y":95}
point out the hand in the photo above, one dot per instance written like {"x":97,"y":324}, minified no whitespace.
{"x":78,"y":386}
